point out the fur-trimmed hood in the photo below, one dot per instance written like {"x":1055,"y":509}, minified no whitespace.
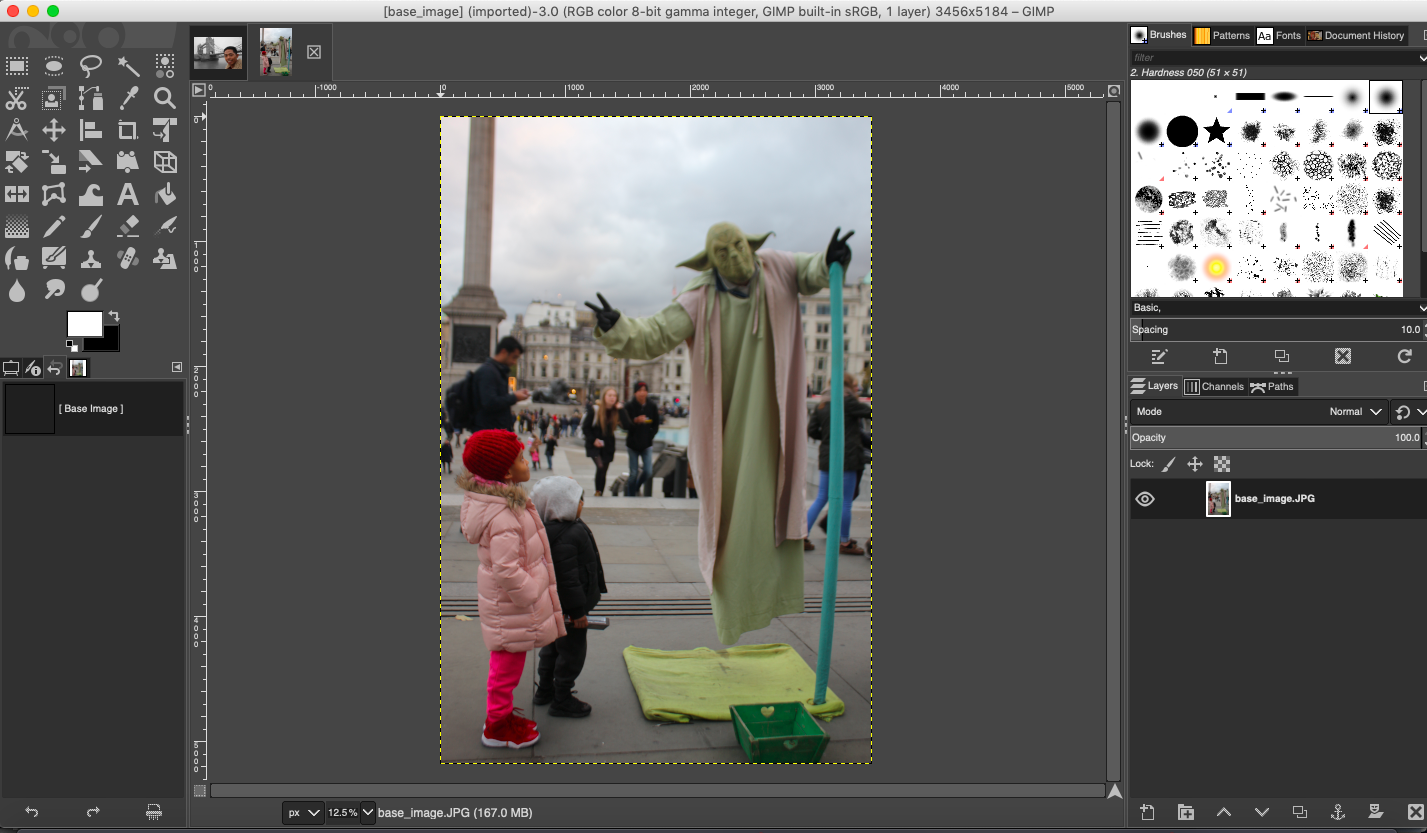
{"x":487,"y":501}
{"x":513,"y":495}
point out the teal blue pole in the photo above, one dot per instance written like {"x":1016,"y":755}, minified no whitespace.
{"x":834,"y":488}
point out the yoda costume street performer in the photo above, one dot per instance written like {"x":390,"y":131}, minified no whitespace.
{"x":742,"y":321}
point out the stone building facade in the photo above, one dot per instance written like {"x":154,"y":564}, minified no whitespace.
{"x":856,"y":331}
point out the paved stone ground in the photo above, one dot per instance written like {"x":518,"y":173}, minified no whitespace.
{"x":649,"y":552}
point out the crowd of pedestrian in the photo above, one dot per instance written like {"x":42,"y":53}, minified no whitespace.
{"x":640,"y":419}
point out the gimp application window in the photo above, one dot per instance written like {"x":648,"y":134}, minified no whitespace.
{"x":1154,"y":374}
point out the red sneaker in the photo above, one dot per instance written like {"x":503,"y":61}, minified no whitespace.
{"x":511,"y":731}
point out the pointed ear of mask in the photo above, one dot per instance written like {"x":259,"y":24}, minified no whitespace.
{"x":756,"y":242}
{"x":701,"y":263}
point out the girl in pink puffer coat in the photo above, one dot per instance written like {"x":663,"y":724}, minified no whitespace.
{"x":518,"y":602}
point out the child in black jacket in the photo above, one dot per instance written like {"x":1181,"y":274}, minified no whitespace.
{"x":579,"y":579}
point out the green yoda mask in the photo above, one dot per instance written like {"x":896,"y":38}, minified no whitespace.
{"x":730,"y":251}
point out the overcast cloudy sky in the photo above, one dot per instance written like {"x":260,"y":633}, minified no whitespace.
{"x":611,"y":204}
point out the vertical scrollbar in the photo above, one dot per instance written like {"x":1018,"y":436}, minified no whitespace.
{"x":1114,"y":384}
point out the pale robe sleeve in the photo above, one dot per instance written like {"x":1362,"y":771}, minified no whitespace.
{"x":812,"y":273}
{"x":648,"y":338}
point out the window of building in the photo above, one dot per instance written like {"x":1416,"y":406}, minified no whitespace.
{"x":821,"y":344}
{"x":542,"y":371}
{"x":679,"y":369}
{"x":823,"y":326}
{"x":824,"y":309}
{"x":599,"y":374}
{"x":803,"y":308}
{"x":822,"y":363}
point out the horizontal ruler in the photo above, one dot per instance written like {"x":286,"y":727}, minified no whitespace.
{"x":842,"y":90}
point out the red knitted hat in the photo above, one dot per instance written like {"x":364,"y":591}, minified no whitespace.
{"x":491,"y":453}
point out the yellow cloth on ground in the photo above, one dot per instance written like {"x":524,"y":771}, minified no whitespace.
{"x":676,"y":686}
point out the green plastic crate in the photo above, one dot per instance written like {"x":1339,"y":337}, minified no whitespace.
{"x":778,"y":733}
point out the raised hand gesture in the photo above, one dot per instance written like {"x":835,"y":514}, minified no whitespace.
{"x":608,"y":316}
{"x":837,"y":250}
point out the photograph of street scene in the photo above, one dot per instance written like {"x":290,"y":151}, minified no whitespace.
{"x":651,"y":329}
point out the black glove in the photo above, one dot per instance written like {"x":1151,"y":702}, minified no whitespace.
{"x":609,"y":316}
{"x":837,"y":250}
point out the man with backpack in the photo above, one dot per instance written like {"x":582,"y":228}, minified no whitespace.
{"x":483,"y":399}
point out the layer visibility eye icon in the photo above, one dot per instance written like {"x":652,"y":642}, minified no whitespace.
{"x":1145,"y":499}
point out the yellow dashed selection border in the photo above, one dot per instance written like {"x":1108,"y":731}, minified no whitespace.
{"x":440,"y":484}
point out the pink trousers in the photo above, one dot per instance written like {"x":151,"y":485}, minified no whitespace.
{"x":504,"y":676}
